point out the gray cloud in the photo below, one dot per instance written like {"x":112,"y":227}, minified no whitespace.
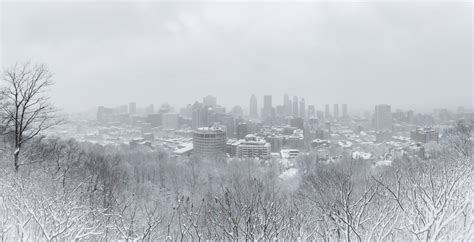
{"x":406,"y":54}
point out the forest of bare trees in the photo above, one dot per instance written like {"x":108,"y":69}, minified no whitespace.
{"x":86,"y":191}
{"x":82,"y":191}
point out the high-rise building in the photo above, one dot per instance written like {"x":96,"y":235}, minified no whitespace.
{"x":320,"y":116}
{"x":302,"y":108}
{"x":186,"y":112}
{"x":267,"y":107}
{"x":311,"y":111}
{"x":124,"y":109}
{"x":132,"y":108}
{"x":242,"y":130}
{"x":150,"y":109}
{"x":229,"y":123}
{"x":410,"y":117}
{"x":200,"y":115}
{"x":383,"y":118}
{"x":155,"y":119}
{"x":253,"y":107}
{"x":169,"y":120}
{"x":336,"y":111}
{"x":280,"y":111}
{"x":209,"y":101}
{"x":295,"y":106}
{"x":327,"y":112}
{"x":344,"y":111}
{"x":104,"y":113}
{"x":297,"y":123}
{"x":287,"y":105}
{"x":165,"y":108}
{"x":276,"y":142}
{"x":209,"y":142}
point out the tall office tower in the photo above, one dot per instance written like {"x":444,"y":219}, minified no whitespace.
{"x":200,"y":116}
{"x":311,"y":111}
{"x":327,"y":112}
{"x":186,"y":112}
{"x":229,"y":122}
{"x":165,"y":108}
{"x":150,"y":109}
{"x":242,"y":130}
{"x":237,"y":112}
{"x":320,"y":116}
{"x":383,"y":117}
{"x":132,"y":108}
{"x":253,"y":107}
{"x":267,"y":106}
{"x":410,"y":117}
{"x":123,"y":109}
{"x":302,"y":108}
{"x":169,"y":120}
{"x":103,"y":112}
{"x":336,"y":110}
{"x":295,"y":106}
{"x":287,"y":105}
{"x":280,"y":111}
{"x":209,"y":142}
{"x":344,"y":111}
{"x":209,"y":101}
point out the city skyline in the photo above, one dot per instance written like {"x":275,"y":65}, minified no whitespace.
{"x":236,"y":121}
{"x":359,"y":53}
{"x":342,"y":110}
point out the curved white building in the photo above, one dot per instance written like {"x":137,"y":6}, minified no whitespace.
{"x":209,"y":142}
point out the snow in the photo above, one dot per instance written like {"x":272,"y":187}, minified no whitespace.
{"x":288,"y":174}
{"x":361,"y":155}
{"x":383,"y":163}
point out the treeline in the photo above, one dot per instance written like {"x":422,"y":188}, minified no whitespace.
{"x":79,"y":191}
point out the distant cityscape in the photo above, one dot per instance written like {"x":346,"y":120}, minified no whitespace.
{"x":272,"y":132}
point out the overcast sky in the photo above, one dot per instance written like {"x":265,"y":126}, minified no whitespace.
{"x":415,"y":55}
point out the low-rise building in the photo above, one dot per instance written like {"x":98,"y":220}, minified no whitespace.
{"x":425,"y":135}
{"x":253,"y":146}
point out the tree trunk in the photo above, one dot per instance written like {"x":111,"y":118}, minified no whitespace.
{"x":16,"y":156}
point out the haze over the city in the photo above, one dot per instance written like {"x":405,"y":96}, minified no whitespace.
{"x":409,"y":55}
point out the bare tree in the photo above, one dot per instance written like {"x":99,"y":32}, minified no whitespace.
{"x":26,"y":108}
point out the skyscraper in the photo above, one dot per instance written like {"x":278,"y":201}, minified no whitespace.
{"x":327,"y":112}
{"x":287,"y":105}
{"x":383,"y":117}
{"x":311,"y":111}
{"x":169,"y":120}
{"x":267,"y":107}
{"x":200,"y":116}
{"x":336,"y":111}
{"x":132,"y":108}
{"x":150,"y":109}
{"x":295,"y":106}
{"x":320,"y":116}
{"x":209,"y":101}
{"x":253,"y":107}
{"x":302,"y":108}
{"x":344,"y":111}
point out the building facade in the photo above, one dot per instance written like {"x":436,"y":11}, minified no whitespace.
{"x":209,"y":142}
{"x":253,"y":147}
{"x":253,"y":107}
{"x":336,"y":111}
{"x":425,"y":135}
{"x":383,"y":118}
{"x":170,"y":120}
